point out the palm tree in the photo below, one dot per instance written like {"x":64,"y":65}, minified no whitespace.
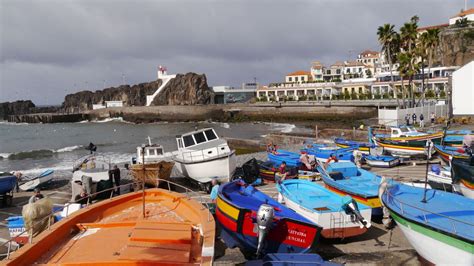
{"x":431,"y":44}
{"x":389,"y":40}
{"x":408,"y":36}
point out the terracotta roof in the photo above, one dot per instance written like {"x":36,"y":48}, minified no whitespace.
{"x":338,"y":63}
{"x":300,"y":73}
{"x":433,"y":27}
{"x":368,"y":52}
{"x":464,"y":13}
{"x":354,"y":63}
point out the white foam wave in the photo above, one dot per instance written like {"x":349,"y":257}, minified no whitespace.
{"x":69,"y":148}
{"x":4,"y":122}
{"x":284,"y":128}
{"x":110,"y":119}
{"x":4,"y":155}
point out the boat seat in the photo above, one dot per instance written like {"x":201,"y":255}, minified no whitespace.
{"x":171,"y":241}
{"x":336,"y":176}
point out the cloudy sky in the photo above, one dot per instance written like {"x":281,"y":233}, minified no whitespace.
{"x":51,"y":48}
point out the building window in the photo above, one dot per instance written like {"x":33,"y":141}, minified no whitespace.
{"x":348,"y":71}
{"x":302,"y":78}
{"x":289,"y":79}
{"x":296,"y":78}
{"x":338,"y":71}
{"x":360,"y":69}
{"x":328,"y":72}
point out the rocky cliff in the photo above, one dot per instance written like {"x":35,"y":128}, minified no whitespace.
{"x":15,"y":108}
{"x":188,"y":89}
{"x":185,"y":89}
{"x":456,"y":47}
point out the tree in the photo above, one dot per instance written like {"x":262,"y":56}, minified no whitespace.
{"x":389,"y":39}
{"x":429,"y":43}
{"x":409,"y":36}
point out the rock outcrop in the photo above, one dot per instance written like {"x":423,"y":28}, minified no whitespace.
{"x":456,"y":47}
{"x":15,"y":108}
{"x":187,"y":89}
{"x":131,"y":96}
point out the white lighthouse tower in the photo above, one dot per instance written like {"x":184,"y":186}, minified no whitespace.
{"x":163,"y":75}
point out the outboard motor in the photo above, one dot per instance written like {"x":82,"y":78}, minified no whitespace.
{"x":350,"y":207}
{"x":264,"y":221}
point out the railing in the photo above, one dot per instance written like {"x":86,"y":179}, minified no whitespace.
{"x":205,"y":154}
{"x":188,"y":192}
{"x":453,"y":221}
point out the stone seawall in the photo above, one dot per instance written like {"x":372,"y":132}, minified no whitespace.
{"x":225,"y":113}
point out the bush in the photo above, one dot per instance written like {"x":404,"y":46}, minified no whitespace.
{"x":302,"y":98}
{"x":430,"y":94}
{"x":262,"y":99}
{"x":442,"y":94}
{"x":311,"y":97}
{"x":346,"y":95}
{"x":353,"y":96}
{"x":290,"y":98}
{"x":386,"y":95}
{"x":272,"y":98}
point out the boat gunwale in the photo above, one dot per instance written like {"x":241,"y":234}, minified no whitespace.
{"x":439,"y":230}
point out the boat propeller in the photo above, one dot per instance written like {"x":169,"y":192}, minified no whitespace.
{"x":265,"y":215}
{"x":350,"y":207}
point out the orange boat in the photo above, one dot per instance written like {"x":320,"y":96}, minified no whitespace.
{"x":176,"y":230}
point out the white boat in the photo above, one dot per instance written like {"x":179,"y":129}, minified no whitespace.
{"x":96,"y":167}
{"x":32,"y":183}
{"x":202,"y":155}
{"x":152,"y":153}
{"x":440,"y":178}
{"x":339,"y":216}
{"x":382,"y":161}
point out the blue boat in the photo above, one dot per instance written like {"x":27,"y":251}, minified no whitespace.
{"x":242,"y":209}
{"x":384,"y":161}
{"x":289,"y":259}
{"x":322,"y":154}
{"x":7,"y":183}
{"x":361,"y":146}
{"x":346,"y":178}
{"x":441,"y":228}
{"x":290,"y":158}
{"x":447,"y":153}
{"x":324,"y":207}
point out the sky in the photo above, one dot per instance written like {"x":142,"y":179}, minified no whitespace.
{"x":55,"y":47}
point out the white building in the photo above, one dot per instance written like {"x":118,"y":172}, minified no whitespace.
{"x":469,"y":14}
{"x":317,"y":71}
{"x":110,"y":104}
{"x":298,"y":77}
{"x":463,"y":90}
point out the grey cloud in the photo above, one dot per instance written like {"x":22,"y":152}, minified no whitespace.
{"x":48,"y":46}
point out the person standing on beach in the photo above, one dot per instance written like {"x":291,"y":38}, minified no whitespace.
{"x":407,"y":119}
{"x":36,"y":196}
{"x":214,"y":190}
{"x":422,"y":122}
{"x":433,"y":118}
{"x":414,"y":119}
{"x":115,"y":174}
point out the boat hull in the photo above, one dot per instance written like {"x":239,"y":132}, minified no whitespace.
{"x":7,"y":183}
{"x":373,"y":202}
{"x":393,"y":148}
{"x":221,"y":168}
{"x":428,"y":245}
{"x":464,"y":188}
{"x":30,"y":185}
{"x":383,"y":164}
{"x":151,"y":172}
{"x":334,"y":224}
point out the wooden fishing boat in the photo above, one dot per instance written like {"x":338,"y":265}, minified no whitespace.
{"x":172,"y":229}
{"x":257,"y":224}
{"x":463,"y":176}
{"x":346,"y":178}
{"x":395,"y":147}
{"x":441,"y":229}
{"x":447,"y":153}
{"x":7,"y":183}
{"x":404,"y":141}
{"x":152,"y":172}
{"x":339,"y":216}
{"x":284,"y":259}
{"x":290,"y":158}
{"x":268,"y":170}
{"x":322,"y":154}
{"x":440,"y":178}
{"x":361,"y":146}
{"x":383,"y":161}
{"x":32,"y":183}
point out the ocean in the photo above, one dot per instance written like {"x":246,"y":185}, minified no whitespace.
{"x":34,"y":148}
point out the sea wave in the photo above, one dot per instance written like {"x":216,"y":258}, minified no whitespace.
{"x":37,"y":154}
{"x":284,"y":128}
{"x":69,"y":148}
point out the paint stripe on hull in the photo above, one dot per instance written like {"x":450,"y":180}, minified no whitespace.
{"x":434,"y":246}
